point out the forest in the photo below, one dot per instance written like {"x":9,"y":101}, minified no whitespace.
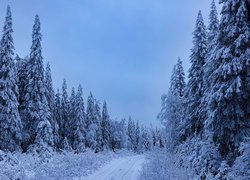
{"x":205,"y":115}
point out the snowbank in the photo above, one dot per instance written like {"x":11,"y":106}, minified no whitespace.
{"x":62,"y":166}
{"x":162,"y":165}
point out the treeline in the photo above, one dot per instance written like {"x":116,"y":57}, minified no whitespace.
{"x":208,"y":119}
{"x":33,"y":118}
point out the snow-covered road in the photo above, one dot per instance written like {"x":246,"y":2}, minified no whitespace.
{"x":125,"y":168}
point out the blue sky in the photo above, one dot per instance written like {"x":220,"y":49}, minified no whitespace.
{"x":121,"y":50}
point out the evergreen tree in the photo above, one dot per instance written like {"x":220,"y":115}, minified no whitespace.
{"x":195,"y":86}
{"x":213,"y":29}
{"x":78,"y":126}
{"x":241,"y":166}
{"x":92,"y":128}
{"x":64,"y":109}
{"x":21,"y":71}
{"x":10,"y":122}
{"x":58,"y":118}
{"x":228,"y":119}
{"x":105,"y":127}
{"x":146,"y":140}
{"x":175,"y":93}
{"x":98,"y":123}
{"x":50,"y":95}
{"x":137,"y":137}
{"x":69,"y":124}
{"x":44,"y":140}
{"x":131,"y":133}
{"x":119,"y":138}
{"x":36,"y":106}
{"x":179,"y":78}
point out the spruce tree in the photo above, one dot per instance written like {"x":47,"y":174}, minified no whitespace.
{"x":36,"y":106}
{"x":64,"y":109}
{"x":58,"y":118}
{"x":175,"y":93}
{"x":71,"y":117}
{"x":137,"y":137}
{"x":98,"y":123}
{"x":195,"y":85}
{"x":92,"y":128}
{"x":106,"y":127}
{"x":10,"y":122}
{"x":213,"y":30}
{"x":78,"y":126}
{"x":180,"y":78}
{"x":228,"y":119}
{"x":21,"y":71}
{"x":44,"y":140}
{"x":50,"y":95}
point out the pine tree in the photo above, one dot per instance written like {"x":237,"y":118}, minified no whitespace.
{"x":10,"y":122}
{"x":36,"y":106}
{"x":105,"y":127}
{"x":78,"y":130}
{"x":195,"y":85}
{"x":228,"y":119}
{"x":50,"y":95}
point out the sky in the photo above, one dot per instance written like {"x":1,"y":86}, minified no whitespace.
{"x":123,"y":51}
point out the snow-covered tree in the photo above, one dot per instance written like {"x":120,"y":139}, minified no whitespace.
{"x":21,"y":71}
{"x":228,"y":119}
{"x":241,"y":167}
{"x":137,"y":137}
{"x":92,"y":127}
{"x":98,"y":119}
{"x":50,"y":95}
{"x":171,"y":115}
{"x":71,"y":117}
{"x":44,"y":140}
{"x":10,"y":121}
{"x":119,"y":137}
{"x":106,"y":127}
{"x":213,"y":30}
{"x":58,"y":117}
{"x":131,"y":133}
{"x":172,"y":102}
{"x":146,"y":140}
{"x":36,"y":106}
{"x":213,"y":27}
{"x":78,"y":124}
{"x":64,"y":109}
{"x":195,"y":85}
{"x":179,"y":79}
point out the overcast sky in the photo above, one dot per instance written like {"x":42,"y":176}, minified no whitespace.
{"x":121,"y":50}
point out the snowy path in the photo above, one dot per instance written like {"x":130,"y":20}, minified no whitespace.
{"x":126,"y":168}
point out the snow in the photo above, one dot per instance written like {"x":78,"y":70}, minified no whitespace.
{"x":162,"y":165}
{"x":125,"y":168}
{"x":62,"y":166}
